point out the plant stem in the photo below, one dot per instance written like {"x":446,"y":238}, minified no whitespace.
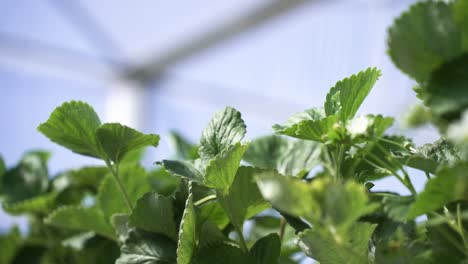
{"x":115,"y":173}
{"x":405,"y":181}
{"x":241,"y":238}
{"x":428,"y":176}
{"x":205,"y":199}
{"x":460,"y":228}
{"x":392,"y":142}
{"x":282,"y":228}
{"x":406,"y":176}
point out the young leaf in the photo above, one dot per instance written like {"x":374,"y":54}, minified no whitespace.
{"x":184,"y":169}
{"x":153,"y":213}
{"x":79,"y":218}
{"x":328,"y":248}
{"x":221,"y":170}
{"x":345,"y":98}
{"x":222,"y":253}
{"x":28,"y":179}
{"x":226,"y":128}
{"x":73,"y":125}
{"x":291,"y":126}
{"x":146,"y":248}
{"x":117,"y":140}
{"x":267,"y":250}
{"x":321,"y":130}
{"x":450,"y":184}
{"x":243,"y":199}
{"x":110,"y":199}
{"x":288,"y":157}
{"x":423,"y":38}
{"x":187,"y":234}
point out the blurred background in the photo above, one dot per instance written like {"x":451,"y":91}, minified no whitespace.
{"x":169,"y":65}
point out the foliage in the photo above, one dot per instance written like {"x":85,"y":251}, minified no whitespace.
{"x":304,"y":192}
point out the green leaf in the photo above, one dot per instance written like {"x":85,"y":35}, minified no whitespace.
{"x":243,"y":199}
{"x":368,"y":127}
{"x":9,"y":244}
{"x":447,"y":95}
{"x":120,"y":224}
{"x":213,"y":212}
{"x":327,"y":248}
{"x":73,"y":125}
{"x":85,"y":177}
{"x":187,"y":234}
{"x":135,"y":181}
{"x":430,"y":156}
{"x":321,"y":201}
{"x":28,"y":179}
{"x":450,"y":184}
{"x":322,"y":130}
{"x":184,"y":169}
{"x":267,"y":249}
{"x":154,"y":213}
{"x":397,"y":207}
{"x":222,"y":253}
{"x":117,"y":140}
{"x":423,"y":38}
{"x":345,"y":98}
{"x":288,"y":157}
{"x":145,"y":248}
{"x":291,"y":126}
{"x":79,"y":218}
{"x":41,"y":204}
{"x":163,"y":182}
{"x":226,"y":128}
{"x":287,"y":194}
{"x":3,"y":169}
{"x":221,"y":171}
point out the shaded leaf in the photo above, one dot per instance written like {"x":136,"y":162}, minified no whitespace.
{"x":153,"y":213}
{"x":243,"y":199}
{"x":79,"y":218}
{"x":329,"y":249}
{"x":267,"y":249}
{"x":41,"y":204}
{"x":135,"y":181}
{"x":222,"y":253}
{"x":145,"y":248}
{"x":288,"y":157}
{"x":9,"y":245}
{"x":28,"y":179}
{"x":397,"y":207}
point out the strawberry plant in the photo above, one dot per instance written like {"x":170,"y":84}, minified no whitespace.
{"x":307,"y":190}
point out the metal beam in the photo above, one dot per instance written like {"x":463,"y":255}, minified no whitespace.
{"x":154,"y":68}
